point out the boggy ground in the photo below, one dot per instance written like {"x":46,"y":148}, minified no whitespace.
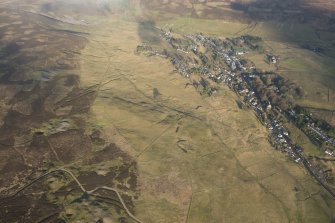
{"x":43,"y":128}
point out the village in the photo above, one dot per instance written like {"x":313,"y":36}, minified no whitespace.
{"x":205,"y":59}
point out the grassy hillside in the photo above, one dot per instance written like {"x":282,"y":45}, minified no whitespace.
{"x":124,"y":120}
{"x":210,"y":164}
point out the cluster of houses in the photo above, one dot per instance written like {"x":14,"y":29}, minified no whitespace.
{"x":181,"y":67}
{"x":314,"y":131}
{"x":320,"y":134}
{"x":272,"y":58}
{"x":226,"y":67}
{"x":220,"y":63}
{"x":240,"y":81}
{"x":279,"y":138}
{"x":237,"y":77}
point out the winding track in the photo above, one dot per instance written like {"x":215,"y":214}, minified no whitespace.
{"x":91,"y":192}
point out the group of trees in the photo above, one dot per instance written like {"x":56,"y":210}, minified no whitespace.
{"x":253,"y":43}
{"x":277,"y":90}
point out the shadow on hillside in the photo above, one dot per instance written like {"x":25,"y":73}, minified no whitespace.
{"x":289,"y":10}
{"x":148,"y":32}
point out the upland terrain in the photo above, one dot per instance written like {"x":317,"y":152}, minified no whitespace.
{"x":167,"y":111}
